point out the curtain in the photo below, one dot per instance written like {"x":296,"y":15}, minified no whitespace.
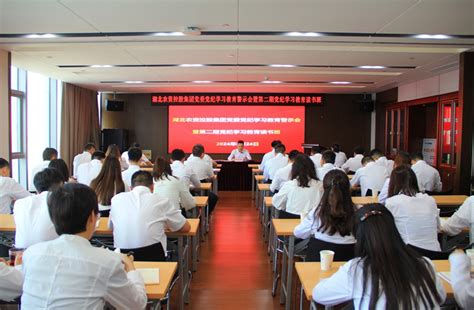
{"x":79,"y":121}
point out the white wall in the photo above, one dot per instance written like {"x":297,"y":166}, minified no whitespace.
{"x":440,"y":84}
{"x":4,"y":105}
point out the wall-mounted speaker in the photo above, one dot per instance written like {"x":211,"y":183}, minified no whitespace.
{"x":114,"y":105}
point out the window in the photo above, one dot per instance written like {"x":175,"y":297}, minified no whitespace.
{"x":17,"y":136}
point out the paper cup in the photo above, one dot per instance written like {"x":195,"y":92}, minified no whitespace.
{"x":326,"y":259}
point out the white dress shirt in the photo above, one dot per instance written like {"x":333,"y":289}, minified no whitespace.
{"x":383,"y":195}
{"x":83,"y":158}
{"x":372,"y":176}
{"x":175,"y":191}
{"x":127,"y":174}
{"x":340,"y":159}
{"x":11,"y":282}
{"x":298,"y":200}
{"x":143,"y":159}
{"x":88,"y":171}
{"x":208,"y":159}
{"x":322,"y":171}
{"x":387,"y":163}
{"x":461,"y":281}
{"x":32,"y":221}
{"x":40,"y":167}
{"x":348,"y":282}
{"x":282,"y":175}
{"x":427,"y":176}
{"x":273,"y":164}
{"x":309,"y":227}
{"x":417,"y":219}
{"x":462,"y":218}
{"x":202,"y":168}
{"x":265,"y":158}
{"x":139,"y":218}
{"x":316,"y":158}
{"x":237,"y":155}
{"x":69,"y":273}
{"x":185,"y":174}
{"x":10,"y":190}
{"x":353,"y":163}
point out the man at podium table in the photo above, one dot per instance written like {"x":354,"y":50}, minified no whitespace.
{"x":240,"y":154}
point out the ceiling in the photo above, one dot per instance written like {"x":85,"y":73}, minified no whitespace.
{"x":238,"y":41}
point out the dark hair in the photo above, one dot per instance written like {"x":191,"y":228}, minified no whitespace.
{"x":275,"y":143}
{"x":359,"y":150}
{"x":336,"y":210}
{"x":198,"y":150}
{"x":142,"y":178}
{"x":376,"y":153}
{"x":177,"y":154}
{"x":109,"y":181}
{"x":303,"y":170}
{"x":134,"y":154}
{"x":50,"y":153}
{"x":89,"y":146}
{"x":366,"y":159}
{"x":293,"y":154}
{"x":280,"y":148}
{"x":98,"y":155}
{"x":4,"y":163}
{"x":70,"y":206}
{"x":113,"y":151}
{"x":329,"y":157}
{"x":316,"y":149}
{"x":336,"y":148}
{"x":403,"y":181}
{"x":162,"y":169}
{"x":402,"y":158}
{"x":134,"y":144}
{"x":61,"y":166}
{"x":417,"y":156}
{"x":391,"y":267}
{"x":47,"y":179}
{"x":240,"y":142}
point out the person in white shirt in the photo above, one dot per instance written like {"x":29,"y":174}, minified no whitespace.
{"x":354,"y":163}
{"x":134,"y":155}
{"x":327,"y":164}
{"x":184,"y":173}
{"x":89,"y":171}
{"x":139,"y":218}
{"x":68,"y":272}
{"x":298,"y":196}
{"x":370,"y":177}
{"x":32,"y":220}
{"x":428,"y":177}
{"x":168,"y":186}
{"x":144,"y":161}
{"x":461,"y":281}
{"x":279,"y":161}
{"x":49,"y":154}
{"x":461,"y":219}
{"x":60,"y":165}
{"x":11,"y":282}
{"x":416,"y":214}
{"x":403,"y":278}
{"x":202,"y":168}
{"x":380,"y":159}
{"x":283,"y":175}
{"x":402,"y":158}
{"x":316,"y":151}
{"x":333,"y":219}
{"x":83,"y":158}
{"x":10,"y":190}
{"x":269,"y":155}
{"x":341,"y":157}
{"x":208,"y":159}
{"x":240,"y":154}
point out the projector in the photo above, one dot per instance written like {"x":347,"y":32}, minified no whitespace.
{"x":192,"y":31}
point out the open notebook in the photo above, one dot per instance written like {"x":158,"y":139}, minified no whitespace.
{"x":150,"y":275}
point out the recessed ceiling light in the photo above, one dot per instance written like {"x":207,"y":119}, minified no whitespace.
{"x":432,"y":36}
{"x":302,"y":34}
{"x":169,"y":34}
{"x":340,"y":82}
{"x":134,"y":82}
{"x":41,"y":36}
{"x":202,"y":82}
{"x":101,"y":66}
{"x":191,"y":65}
{"x":272,"y":82}
{"x":282,"y":66}
{"x":372,"y":67}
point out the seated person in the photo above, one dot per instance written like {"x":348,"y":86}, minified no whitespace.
{"x":316,"y":151}
{"x":462,"y":218}
{"x":208,"y":159}
{"x":68,"y":273}
{"x":83,"y":158}
{"x":184,"y":173}
{"x":134,"y":155}
{"x":403,"y":278}
{"x":89,"y":171}
{"x":199,"y":165}
{"x":298,"y":196}
{"x":240,"y":154}
{"x":402,"y":158}
{"x":60,"y":165}
{"x":11,"y":282}
{"x":416,"y":214}
{"x":279,"y":161}
{"x":427,"y":176}
{"x":144,"y":161}
{"x":354,"y":163}
{"x":380,"y":159}
{"x":328,"y":158}
{"x":269,"y":155}
{"x":283,"y":175}
{"x":31,"y":216}
{"x":139,"y":218}
{"x":370,"y":177}
{"x":49,"y":154}
{"x":341,"y":157}
{"x":10,"y":190}
{"x":461,"y":281}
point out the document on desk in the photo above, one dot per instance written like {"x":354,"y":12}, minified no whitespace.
{"x":150,"y":275}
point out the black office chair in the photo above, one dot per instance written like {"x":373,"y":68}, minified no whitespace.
{"x":433,"y":255}
{"x":342,"y":252}
{"x":150,"y":253}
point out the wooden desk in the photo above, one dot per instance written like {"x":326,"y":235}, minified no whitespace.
{"x":149,"y":169}
{"x":450,"y":200}
{"x":202,"y":204}
{"x":263,"y":190}
{"x":257,"y":171}
{"x":216,"y":170}
{"x":219,"y":166}
{"x":206,"y":186}
{"x":253,"y":166}
{"x":364,"y":200}
{"x":268,"y":201}
{"x":259,"y":178}
{"x":201,"y":201}
{"x":167,"y":271}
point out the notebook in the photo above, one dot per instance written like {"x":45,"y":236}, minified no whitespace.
{"x":150,"y":275}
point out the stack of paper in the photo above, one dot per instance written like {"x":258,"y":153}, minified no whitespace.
{"x":150,"y":275}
